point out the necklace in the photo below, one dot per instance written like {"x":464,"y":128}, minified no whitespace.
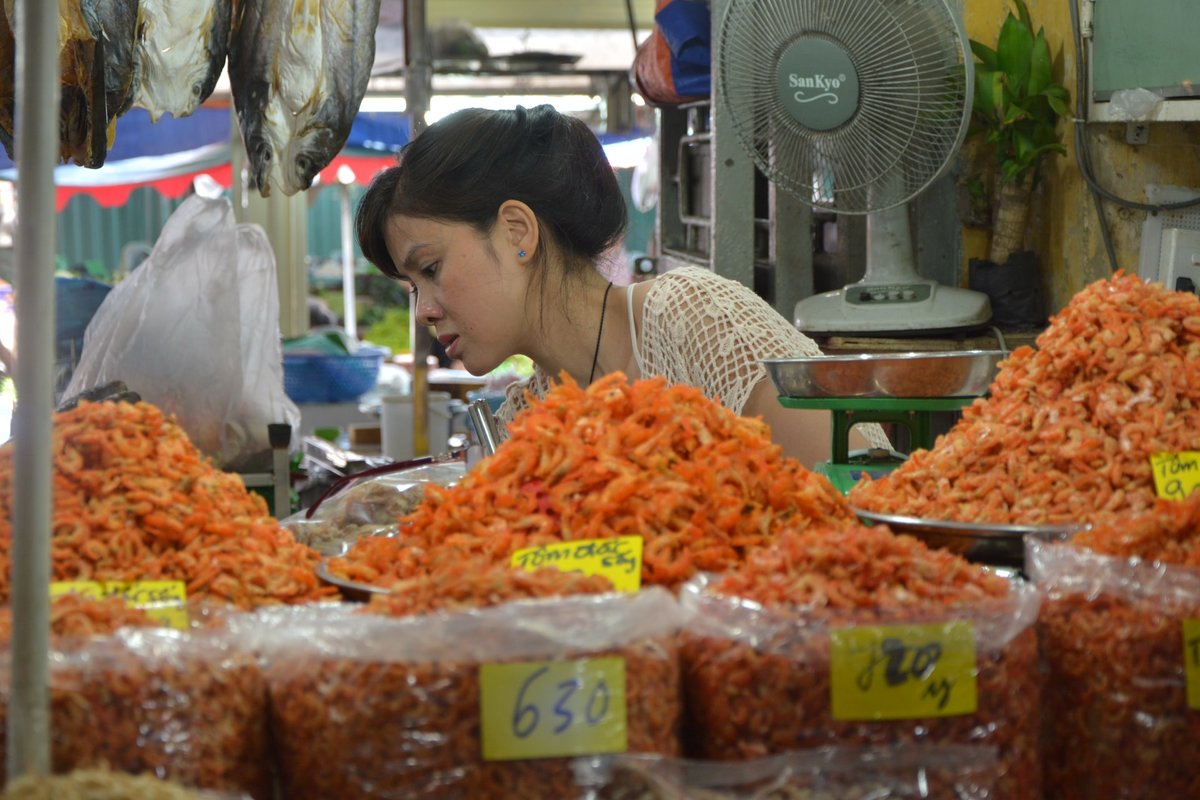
{"x":600,"y":333}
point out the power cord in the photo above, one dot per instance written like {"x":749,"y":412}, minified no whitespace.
{"x":1083,"y":156}
{"x":632,"y":23}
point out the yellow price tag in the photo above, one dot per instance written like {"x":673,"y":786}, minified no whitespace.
{"x":164,"y":601}
{"x":1176,"y":475}
{"x":903,"y":671}
{"x":551,"y":709}
{"x":619,"y":559}
{"x":1191,"y":661}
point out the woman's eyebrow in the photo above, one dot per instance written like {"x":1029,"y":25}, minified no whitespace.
{"x":410,"y":257}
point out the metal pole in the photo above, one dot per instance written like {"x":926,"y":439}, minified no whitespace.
{"x":349,"y":301}
{"x":418,"y":85}
{"x":37,"y":152}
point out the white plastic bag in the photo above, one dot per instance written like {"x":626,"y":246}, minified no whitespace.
{"x":195,"y":330}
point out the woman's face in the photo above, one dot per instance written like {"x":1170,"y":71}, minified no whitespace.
{"x":468,"y":287}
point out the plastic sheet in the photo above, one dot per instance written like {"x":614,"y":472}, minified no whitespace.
{"x":185,"y":706}
{"x":1117,"y":724}
{"x":365,"y":705}
{"x":903,"y":772}
{"x":369,"y":507}
{"x":757,"y":682}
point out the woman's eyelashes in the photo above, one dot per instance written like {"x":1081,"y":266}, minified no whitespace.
{"x":429,"y":270}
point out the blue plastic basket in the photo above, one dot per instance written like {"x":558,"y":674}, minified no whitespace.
{"x":313,"y":378}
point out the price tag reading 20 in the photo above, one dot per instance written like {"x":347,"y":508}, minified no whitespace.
{"x":550,"y":709}
{"x":903,"y":671}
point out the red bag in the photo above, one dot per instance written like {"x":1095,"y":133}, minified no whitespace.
{"x":672,"y":65}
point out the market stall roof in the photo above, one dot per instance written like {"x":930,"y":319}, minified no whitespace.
{"x":169,"y":154}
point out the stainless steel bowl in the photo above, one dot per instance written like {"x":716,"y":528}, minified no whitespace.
{"x":955,"y":373}
{"x":351,"y":590}
{"x":982,"y":542}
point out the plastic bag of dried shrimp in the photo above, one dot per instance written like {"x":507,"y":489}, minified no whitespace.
{"x":184,"y":705}
{"x":370,"y":504}
{"x":102,"y":784}
{"x":900,"y":772}
{"x":873,"y":640}
{"x":489,"y":702}
{"x":1121,"y":639}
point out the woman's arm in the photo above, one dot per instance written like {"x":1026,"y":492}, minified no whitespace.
{"x":805,"y":434}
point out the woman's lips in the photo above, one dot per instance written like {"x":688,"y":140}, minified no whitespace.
{"x":450,"y":343}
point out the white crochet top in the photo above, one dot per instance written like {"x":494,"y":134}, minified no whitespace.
{"x":703,"y":330}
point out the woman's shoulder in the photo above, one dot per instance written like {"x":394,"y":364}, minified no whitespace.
{"x":691,"y":301}
{"x":687,"y":286}
{"x":517,"y":394}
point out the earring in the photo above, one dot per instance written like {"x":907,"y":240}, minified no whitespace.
{"x":520,"y":254}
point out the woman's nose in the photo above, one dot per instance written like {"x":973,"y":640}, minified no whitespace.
{"x":428,"y":311}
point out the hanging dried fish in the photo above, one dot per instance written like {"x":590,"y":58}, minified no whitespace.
{"x":8,"y":85}
{"x":97,"y":72}
{"x":82,"y":122}
{"x":298,"y":72}
{"x":181,"y":52}
{"x":121,"y":22}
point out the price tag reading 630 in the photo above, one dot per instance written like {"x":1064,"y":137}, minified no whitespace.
{"x":903,"y":671}
{"x":550,"y":709}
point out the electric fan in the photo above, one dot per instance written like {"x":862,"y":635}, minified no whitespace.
{"x":856,"y":106}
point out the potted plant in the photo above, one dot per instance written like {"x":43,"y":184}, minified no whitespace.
{"x":1016,"y":111}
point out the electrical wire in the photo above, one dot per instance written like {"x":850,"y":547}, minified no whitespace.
{"x":632,"y":23}
{"x":1083,"y":156}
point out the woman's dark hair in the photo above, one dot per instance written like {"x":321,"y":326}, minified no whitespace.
{"x":464,"y":166}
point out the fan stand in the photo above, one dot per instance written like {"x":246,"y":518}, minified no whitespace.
{"x":892,"y":298}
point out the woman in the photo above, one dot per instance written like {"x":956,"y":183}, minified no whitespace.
{"x":497,"y":221}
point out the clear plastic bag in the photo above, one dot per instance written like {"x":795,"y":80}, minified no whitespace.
{"x":757,"y":682}
{"x":185,"y":706}
{"x":195,"y":331}
{"x":1111,"y":630}
{"x":371,"y":506}
{"x":366,"y":705}
{"x":901,"y":772}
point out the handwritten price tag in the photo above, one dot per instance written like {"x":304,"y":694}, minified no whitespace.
{"x":549,"y":709}
{"x":619,"y":559}
{"x":1191,"y":661}
{"x":903,"y":671}
{"x":165,"y":601}
{"x":1176,"y":475}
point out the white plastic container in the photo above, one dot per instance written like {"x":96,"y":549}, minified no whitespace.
{"x":396,"y":425}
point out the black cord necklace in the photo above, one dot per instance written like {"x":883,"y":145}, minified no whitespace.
{"x":600,"y":333}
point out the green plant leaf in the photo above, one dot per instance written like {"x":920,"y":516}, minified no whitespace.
{"x":998,"y":104}
{"x":1058,"y":104}
{"x":985,"y":54}
{"x":1013,"y":52}
{"x":1023,"y":12}
{"x":1039,"y":65}
{"x":984,"y":103}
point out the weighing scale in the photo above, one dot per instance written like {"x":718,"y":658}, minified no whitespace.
{"x":846,"y":467}
{"x":904,"y":389}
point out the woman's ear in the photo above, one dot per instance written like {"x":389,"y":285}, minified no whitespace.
{"x":518,"y":228}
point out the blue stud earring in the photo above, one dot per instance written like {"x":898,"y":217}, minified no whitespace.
{"x":520,"y":254}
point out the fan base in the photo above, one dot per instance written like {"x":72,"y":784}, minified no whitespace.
{"x":911,"y":309}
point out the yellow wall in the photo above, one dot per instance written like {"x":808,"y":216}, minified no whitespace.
{"x":1064,"y":230}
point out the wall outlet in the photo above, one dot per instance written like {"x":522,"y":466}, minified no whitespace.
{"x":1137,"y":132}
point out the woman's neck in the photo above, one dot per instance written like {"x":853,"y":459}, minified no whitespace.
{"x":583,"y":332}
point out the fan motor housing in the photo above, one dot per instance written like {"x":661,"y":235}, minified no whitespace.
{"x":817,"y":82}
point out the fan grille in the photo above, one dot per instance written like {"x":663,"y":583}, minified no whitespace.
{"x":914,"y":97}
